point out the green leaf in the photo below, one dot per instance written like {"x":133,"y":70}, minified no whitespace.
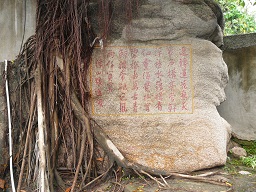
{"x":242,"y":3}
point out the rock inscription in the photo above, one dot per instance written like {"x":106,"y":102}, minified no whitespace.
{"x":142,"y":80}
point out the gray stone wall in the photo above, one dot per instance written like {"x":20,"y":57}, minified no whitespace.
{"x":239,"y":108}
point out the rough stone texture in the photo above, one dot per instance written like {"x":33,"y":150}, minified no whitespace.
{"x":239,"y":108}
{"x":167,"y":142}
{"x":172,"y":19}
{"x":239,"y":41}
{"x":178,"y":142}
{"x":3,"y":113}
{"x":165,"y":19}
{"x":238,"y":152}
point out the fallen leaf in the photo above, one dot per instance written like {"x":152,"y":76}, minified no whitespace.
{"x":99,"y":159}
{"x":2,"y":184}
{"x":68,"y":189}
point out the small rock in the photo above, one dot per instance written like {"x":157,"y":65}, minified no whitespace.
{"x":238,"y":152}
{"x":232,"y":144}
{"x":244,"y":172}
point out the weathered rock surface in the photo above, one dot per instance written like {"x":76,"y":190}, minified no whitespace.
{"x":3,"y":117}
{"x":164,"y":20}
{"x":177,"y":142}
{"x":172,"y":19}
{"x":238,"y":152}
{"x":163,"y":140}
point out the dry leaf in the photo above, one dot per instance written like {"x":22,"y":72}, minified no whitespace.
{"x":68,"y":189}
{"x":99,"y":159}
{"x":2,"y":184}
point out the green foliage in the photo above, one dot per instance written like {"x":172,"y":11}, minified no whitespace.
{"x":249,"y":161}
{"x":250,"y":148}
{"x":237,"y":21}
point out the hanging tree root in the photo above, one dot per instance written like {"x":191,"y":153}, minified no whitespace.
{"x":99,"y":134}
{"x":31,"y":116}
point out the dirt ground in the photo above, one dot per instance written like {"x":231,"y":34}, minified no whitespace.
{"x":229,"y":179}
{"x":232,"y":177}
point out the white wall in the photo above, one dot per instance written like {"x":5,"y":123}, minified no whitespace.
{"x":12,"y":20}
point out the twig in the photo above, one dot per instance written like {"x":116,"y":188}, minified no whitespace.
{"x":208,"y":174}
{"x":164,"y":181}
{"x":10,"y":126}
{"x":31,"y":116}
{"x":103,"y":174}
{"x":200,"y":178}
{"x":150,"y":176}
{"x":142,"y":177}
{"x":115,"y":183}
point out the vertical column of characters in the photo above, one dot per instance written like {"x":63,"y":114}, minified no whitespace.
{"x":146,"y":53}
{"x":109,"y":68}
{"x":183,"y":61}
{"x":122,"y":55}
{"x":159,"y":82}
{"x":135,"y":76}
{"x":172,"y":79}
{"x":98,"y":82}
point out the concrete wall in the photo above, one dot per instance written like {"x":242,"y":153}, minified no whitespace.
{"x":240,"y":107}
{"x":13,"y":14}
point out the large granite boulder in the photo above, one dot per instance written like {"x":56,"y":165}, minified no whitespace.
{"x":154,"y":91}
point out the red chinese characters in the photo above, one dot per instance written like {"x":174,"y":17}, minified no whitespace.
{"x":99,"y":82}
{"x":123,"y":86}
{"x":146,"y":81}
{"x":184,"y":52}
{"x":142,"y":80}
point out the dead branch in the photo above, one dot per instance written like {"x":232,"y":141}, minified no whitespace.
{"x":200,"y":178}
{"x":142,"y":177}
{"x":160,"y":184}
{"x":165,"y":181}
{"x":97,"y":178}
